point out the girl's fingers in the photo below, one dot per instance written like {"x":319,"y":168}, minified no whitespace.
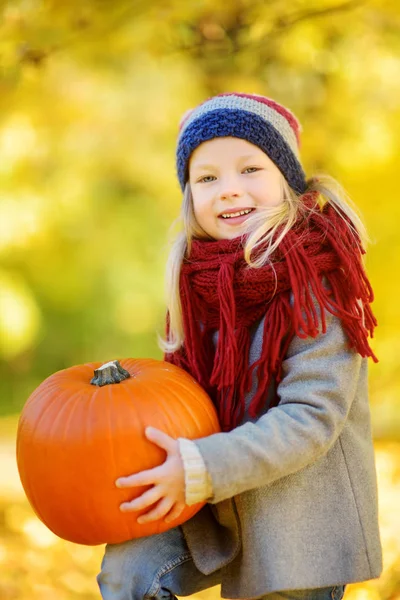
{"x":175,"y":512}
{"x":160,"y":438}
{"x":146,"y":499}
{"x":151,"y":476}
{"x":162,"y":508}
{"x":142,"y":478}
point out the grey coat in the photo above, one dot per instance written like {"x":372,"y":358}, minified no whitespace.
{"x":294,"y":502}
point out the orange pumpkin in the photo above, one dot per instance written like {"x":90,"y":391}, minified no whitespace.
{"x":78,"y":433}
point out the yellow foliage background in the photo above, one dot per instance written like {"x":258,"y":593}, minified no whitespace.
{"x":91,"y":94}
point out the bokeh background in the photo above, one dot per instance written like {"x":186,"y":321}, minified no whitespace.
{"x":91,"y":94}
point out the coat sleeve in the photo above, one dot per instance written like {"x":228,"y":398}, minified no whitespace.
{"x":197,"y":478}
{"x":319,"y":382}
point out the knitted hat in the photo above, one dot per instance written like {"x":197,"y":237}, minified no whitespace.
{"x":254,"y":118}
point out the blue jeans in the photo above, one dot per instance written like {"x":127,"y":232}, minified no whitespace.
{"x":161,"y":567}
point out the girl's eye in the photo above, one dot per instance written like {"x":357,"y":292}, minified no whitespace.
{"x":205,"y":178}
{"x":208,"y":178}
{"x":252,"y":169}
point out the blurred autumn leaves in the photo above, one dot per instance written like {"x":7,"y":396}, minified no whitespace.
{"x":91,"y":94}
{"x":36,"y":564}
{"x":91,"y":97}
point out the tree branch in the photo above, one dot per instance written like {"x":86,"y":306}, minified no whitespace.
{"x":290,"y":20}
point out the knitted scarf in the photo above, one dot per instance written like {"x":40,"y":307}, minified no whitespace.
{"x":219,"y":291}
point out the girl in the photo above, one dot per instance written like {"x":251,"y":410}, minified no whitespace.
{"x":269,"y":309}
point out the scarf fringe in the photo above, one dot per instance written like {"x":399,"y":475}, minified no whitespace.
{"x":277,"y":334}
{"x":231,"y":399}
{"x":223,"y":374}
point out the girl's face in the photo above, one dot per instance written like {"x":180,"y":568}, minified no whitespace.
{"x":228,"y":175}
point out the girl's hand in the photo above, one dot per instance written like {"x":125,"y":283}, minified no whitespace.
{"x":168,"y":480}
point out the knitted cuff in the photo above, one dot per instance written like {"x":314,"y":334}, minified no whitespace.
{"x":198,"y":484}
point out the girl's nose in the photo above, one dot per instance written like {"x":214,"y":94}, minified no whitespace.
{"x":230,"y":194}
{"x":230,"y":190}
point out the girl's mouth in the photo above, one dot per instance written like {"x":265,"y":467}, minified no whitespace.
{"x":236,"y":220}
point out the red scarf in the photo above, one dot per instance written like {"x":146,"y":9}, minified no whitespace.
{"x":219,"y":291}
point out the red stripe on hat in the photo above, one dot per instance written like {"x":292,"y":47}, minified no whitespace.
{"x":185,"y":117}
{"x":293,"y":122}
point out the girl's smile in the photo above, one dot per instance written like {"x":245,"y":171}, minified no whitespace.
{"x":235,"y":216}
{"x":231,"y":176}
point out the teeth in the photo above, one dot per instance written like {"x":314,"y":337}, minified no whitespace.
{"x":237,"y":214}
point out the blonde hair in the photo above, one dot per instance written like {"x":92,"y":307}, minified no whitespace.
{"x":261,"y":227}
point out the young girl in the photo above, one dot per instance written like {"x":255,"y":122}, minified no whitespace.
{"x":269,"y":309}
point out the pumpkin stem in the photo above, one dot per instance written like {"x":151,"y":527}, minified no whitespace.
{"x":110,"y":372}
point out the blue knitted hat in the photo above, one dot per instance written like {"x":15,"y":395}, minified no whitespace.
{"x":257,"y":119}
